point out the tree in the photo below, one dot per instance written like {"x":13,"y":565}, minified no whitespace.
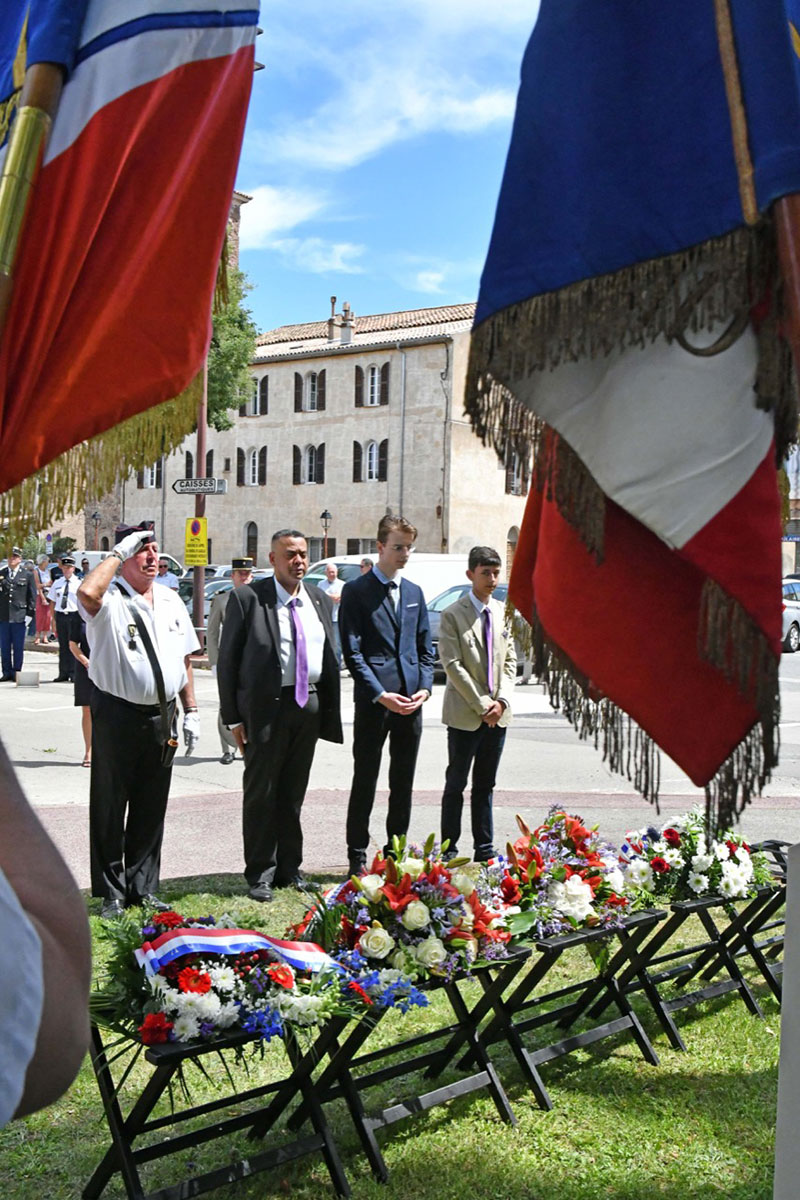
{"x":230,"y":353}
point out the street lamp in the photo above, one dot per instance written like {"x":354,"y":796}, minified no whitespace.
{"x":96,"y":519}
{"x":326,"y":518}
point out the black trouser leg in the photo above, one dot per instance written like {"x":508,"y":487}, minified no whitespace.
{"x":461,"y":746}
{"x":404,"y":736}
{"x":484,"y":775}
{"x":369,"y":733}
{"x":66,"y":663}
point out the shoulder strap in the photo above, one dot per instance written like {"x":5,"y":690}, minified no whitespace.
{"x":150,"y":650}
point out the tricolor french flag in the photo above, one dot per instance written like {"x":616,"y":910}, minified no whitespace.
{"x":112,"y":289}
{"x":303,"y":956}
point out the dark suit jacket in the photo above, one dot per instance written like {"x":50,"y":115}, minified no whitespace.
{"x":17,"y":595}
{"x":249,"y":663}
{"x":385,"y":651}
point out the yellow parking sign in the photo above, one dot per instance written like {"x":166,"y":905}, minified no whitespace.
{"x":196,"y":550}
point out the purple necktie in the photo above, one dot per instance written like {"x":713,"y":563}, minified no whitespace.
{"x":300,"y":655}
{"x":487,"y":637}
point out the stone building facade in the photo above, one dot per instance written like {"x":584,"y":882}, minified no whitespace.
{"x":354,"y":417}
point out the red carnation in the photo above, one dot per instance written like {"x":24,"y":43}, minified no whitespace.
{"x":155,"y":1030}
{"x":671,"y":837}
{"x":192,"y":980}
{"x":170,"y":920}
{"x":659,"y":865}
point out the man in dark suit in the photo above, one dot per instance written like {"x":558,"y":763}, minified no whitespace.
{"x":386,"y":642}
{"x":278,"y":679}
{"x":17,"y":603}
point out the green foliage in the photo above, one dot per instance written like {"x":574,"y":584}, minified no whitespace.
{"x":62,"y":545}
{"x":230,"y":353}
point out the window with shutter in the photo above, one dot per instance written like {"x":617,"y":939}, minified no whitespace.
{"x":296,"y":465}
{"x":385,"y":383}
{"x":309,"y":472}
{"x":298,"y":392}
{"x":210,"y":464}
{"x":373,"y":386}
{"x":189,"y":465}
{"x":357,"y":462}
{"x":140,"y":479}
{"x":359,"y":387}
{"x":353,"y":545}
{"x":262,"y":466}
{"x":321,"y":392}
{"x":251,"y":473}
{"x":240,"y":467}
{"x":252,"y":406}
{"x":251,"y":541}
{"x":372,"y":461}
{"x":331,"y":547}
{"x":263,"y":396}
{"x":310,"y":404}
{"x":321,"y":463}
{"x":383,"y":460}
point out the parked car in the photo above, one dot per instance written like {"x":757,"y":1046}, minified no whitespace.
{"x":212,"y":588}
{"x":791,"y":615}
{"x":97,"y":556}
{"x":432,"y":572}
{"x":439,"y":603}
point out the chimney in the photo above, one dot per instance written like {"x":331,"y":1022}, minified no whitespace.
{"x":332,"y":321}
{"x":348,"y":321}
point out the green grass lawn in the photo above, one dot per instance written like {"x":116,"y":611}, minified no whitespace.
{"x":700,"y":1125}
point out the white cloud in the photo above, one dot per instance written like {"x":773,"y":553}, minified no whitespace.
{"x":318,"y":257}
{"x":276,"y":210}
{"x":429,"y":281}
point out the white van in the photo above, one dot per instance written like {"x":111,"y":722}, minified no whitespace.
{"x":97,"y":556}
{"x":432,"y":572}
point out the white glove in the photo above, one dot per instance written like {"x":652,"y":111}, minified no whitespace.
{"x":132,"y":543}
{"x":191,"y":727}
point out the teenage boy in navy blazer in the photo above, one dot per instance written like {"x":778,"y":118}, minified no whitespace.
{"x":386,"y":642}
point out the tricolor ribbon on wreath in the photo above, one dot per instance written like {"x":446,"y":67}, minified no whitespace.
{"x":635,"y":331}
{"x":303,"y":956}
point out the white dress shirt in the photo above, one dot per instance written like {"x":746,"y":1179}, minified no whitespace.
{"x":56,"y":592}
{"x":394,"y":593}
{"x":118,"y":662}
{"x":312,"y":628}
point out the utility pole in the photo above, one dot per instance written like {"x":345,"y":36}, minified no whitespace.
{"x":198,"y":597}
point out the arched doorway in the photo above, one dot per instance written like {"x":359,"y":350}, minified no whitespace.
{"x":512,"y":537}
{"x":251,"y":541}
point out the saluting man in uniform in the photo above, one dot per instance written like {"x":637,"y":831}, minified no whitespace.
{"x":63,"y":597}
{"x":129,"y":783}
{"x":17,"y":593}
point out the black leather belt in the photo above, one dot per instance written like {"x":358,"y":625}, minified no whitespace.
{"x":289,"y":689}
{"x":149,"y":709}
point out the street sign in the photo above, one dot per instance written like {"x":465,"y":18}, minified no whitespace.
{"x":196,"y":548}
{"x":200,"y":487}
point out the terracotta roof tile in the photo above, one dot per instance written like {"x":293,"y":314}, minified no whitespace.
{"x":375,"y":323}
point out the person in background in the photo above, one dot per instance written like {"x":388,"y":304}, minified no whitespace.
{"x":165,"y":576}
{"x":241,"y":574}
{"x":366,"y":565}
{"x":85,"y":568}
{"x":79,"y":648}
{"x":476,"y":647}
{"x":63,"y":597}
{"x":43,"y":581}
{"x":44,"y":988}
{"x":17,"y":604}
{"x":332,"y":586}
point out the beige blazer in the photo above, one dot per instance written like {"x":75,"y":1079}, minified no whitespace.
{"x":216,"y":617}
{"x":463,"y":655}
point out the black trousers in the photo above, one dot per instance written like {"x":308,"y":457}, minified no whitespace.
{"x":372,"y":725}
{"x":66,"y":661}
{"x":275,"y":781}
{"x":483,"y":747}
{"x":127,"y":799}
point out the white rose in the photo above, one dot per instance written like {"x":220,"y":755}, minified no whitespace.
{"x":431,"y":952}
{"x":573,"y":897}
{"x":411,"y":866}
{"x":400,"y":961}
{"x":371,"y":886}
{"x":415,"y":915}
{"x":376,"y":942}
{"x":463,"y":883}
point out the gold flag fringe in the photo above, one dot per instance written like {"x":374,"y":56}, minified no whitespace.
{"x":88,"y":471}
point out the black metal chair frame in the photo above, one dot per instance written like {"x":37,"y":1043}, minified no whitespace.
{"x":123,"y":1158}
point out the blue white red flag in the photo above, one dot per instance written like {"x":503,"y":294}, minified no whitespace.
{"x":112,"y":290}
{"x":155,"y":954}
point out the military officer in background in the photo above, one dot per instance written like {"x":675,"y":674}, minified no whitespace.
{"x":63,"y":597}
{"x":241,"y":574}
{"x":17,"y":604}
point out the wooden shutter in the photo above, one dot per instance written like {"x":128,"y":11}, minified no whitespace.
{"x":262,"y":466}
{"x":298,"y":392}
{"x":383,"y":460}
{"x":320,"y":463}
{"x":353,"y":545}
{"x":210,"y":464}
{"x":296,"y":463}
{"x":189,"y":465}
{"x":263,"y":396}
{"x":331,"y":547}
{"x":240,"y":467}
{"x":357,"y":458}
{"x":385,"y":383}
{"x":159,"y":472}
{"x":321,"y":392}
{"x":243,"y":409}
{"x":359,"y":387}
{"x":140,"y":479}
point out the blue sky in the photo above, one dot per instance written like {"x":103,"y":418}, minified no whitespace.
{"x":374,"y":150}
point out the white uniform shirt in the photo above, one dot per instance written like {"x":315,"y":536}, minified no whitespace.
{"x":21,"y":998}
{"x":118,"y":662}
{"x":57,"y":591}
{"x":312,"y":628}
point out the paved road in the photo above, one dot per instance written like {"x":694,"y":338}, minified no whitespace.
{"x":544,"y":763}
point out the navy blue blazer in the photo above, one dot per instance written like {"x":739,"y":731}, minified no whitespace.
{"x":385,"y":651}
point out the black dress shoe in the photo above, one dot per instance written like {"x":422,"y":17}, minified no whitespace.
{"x":356,"y":867}
{"x":62,"y":679}
{"x":7,"y":678}
{"x":111,"y":910}
{"x":150,"y":901}
{"x":228,"y":757}
{"x":261,"y":892}
{"x":295,"y":881}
